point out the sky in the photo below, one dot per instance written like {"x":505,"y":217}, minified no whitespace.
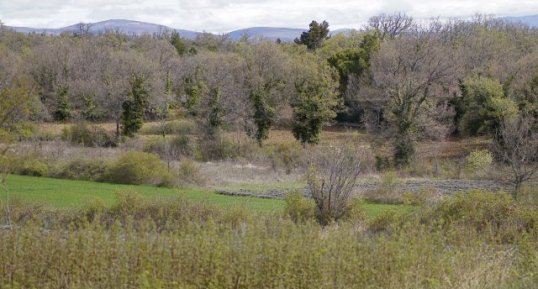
{"x":224,"y":16}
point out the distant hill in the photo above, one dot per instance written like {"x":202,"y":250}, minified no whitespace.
{"x":271,"y":33}
{"x":139,"y":28}
{"x":531,"y":20}
{"x":123,"y":26}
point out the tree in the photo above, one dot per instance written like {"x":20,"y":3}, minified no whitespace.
{"x":178,"y":43}
{"x":483,"y":106}
{"x":62,"y":108}
{"x":391,"y":26}
{"x":412,"y":74}
{"x":134,"y":106}
{"x":516,"y":144}
{"x":265,"y":80}
{"x":314,"y":37}
{"x":314,"y":103}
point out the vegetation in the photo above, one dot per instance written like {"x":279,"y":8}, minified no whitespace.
{"x":341,"y":128}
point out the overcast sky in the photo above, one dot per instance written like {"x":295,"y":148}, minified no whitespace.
{"x":224,"y":16}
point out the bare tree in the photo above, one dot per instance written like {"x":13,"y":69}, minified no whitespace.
{"x":391,"y":25}
{"x":331,"y":178}
{"x":516,"y":144}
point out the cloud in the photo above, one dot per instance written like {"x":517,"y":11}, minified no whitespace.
{"x":223,"y":16}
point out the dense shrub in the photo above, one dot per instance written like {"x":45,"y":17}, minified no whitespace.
{"x":299,"y":208}
{"x":87,"y":135}
{"x":172,"y":148}
{"x":138,"y":168}
{"x":479,"y":210}
{"x":288,"y":156}
{"x":83,"y":169}
{"x":478,"y":162}
{"x":222,"y":147}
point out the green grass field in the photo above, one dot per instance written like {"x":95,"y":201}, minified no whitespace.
{"x":61,"y":193}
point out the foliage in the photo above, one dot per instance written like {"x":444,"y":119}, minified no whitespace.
{"x":314,"y":104}
{"x":62,"y":107}
{"x":87,"y":135}
{"x":287,"y":155}
{"x":484,"y":106}
{"x":105,"y":241}
{"x":314,"y":37}
{"x":138,"y":168}
{"x":299,"y":208}
{"x":82,"y":169}
{"x":178,"y":43}
{"x":478,"y":161}
{"x":134,"y":107}
{"x":189,"y":173}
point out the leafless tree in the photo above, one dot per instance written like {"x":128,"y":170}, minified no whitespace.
{"x":391,"y":25}
{"x":516,"y":145}
{"x":331,"y":178}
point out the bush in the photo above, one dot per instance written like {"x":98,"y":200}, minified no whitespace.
{"x":172,"y":149}
{"x":419,"y":198}
{"x":83,"y":134}
{"x":478,"y":162}
{"x":189,"y":173}
{"x":138,"y":168}
{"x":387,"y":191}
{"x":299,"y":208}
{"x":33,"y":167}
{"x":83,"y":169}
{"x":225,"y":148}
{"x":481,"y":210}
{"x":287,"y":155}
{"x":331,"y":178}
{"x":177,"y":127}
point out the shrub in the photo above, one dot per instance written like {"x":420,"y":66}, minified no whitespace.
{"x":481,"y":210}
{"x":189,"y":173}
{"x":83,"y":134}
{"x":83,"y":169}
{"x":33,"y":167}
{"x":331,"y":178}
{"x":478,"y":162}
{"x":138,"y":168}
{"x":299,"y":208}
{"x":221,"y":147}
{"x":419,"y":198}
{"x":387,"y":191}
{"x":286,"y":155}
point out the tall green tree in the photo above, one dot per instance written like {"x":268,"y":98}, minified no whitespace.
{"x":314,"y":37}
{"x":62,"y":104}
{"x":134,"y":106}
{"x":314,"y":104}
{"x":483,"y":105}
{"x":178,"y":43}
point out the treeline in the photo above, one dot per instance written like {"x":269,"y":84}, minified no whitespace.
{"x":407,"y":80}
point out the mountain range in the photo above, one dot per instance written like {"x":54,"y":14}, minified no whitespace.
{"x":139,"y":28}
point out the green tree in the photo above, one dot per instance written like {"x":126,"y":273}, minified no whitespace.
{"x":483,"y":106}
{"x":314,"y":37}
{"x":264,"y":114}
{"x":134,"y":106}
{"x":62,"y":104}
{"x":354,"y":61}
{"x":314,"y":103}
{"x":178,"y":43}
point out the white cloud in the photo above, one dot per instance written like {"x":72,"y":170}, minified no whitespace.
{"x":222,"y":16}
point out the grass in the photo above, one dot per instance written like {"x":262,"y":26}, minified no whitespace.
{"x":59,"y":193}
